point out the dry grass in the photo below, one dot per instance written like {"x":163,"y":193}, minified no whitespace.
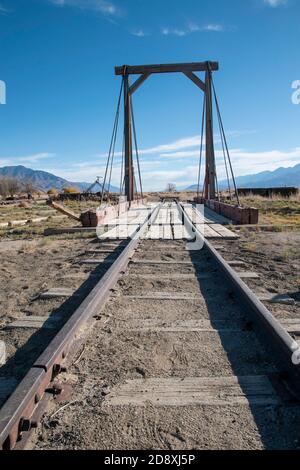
{"x":276,"y":210}
{"x":24,"y":210}
{"x":288,"y":254}
{"x":250,"y":246}
{"x":80,"y":206}
{"x":26,"y":248}
{"x":46,"y":241}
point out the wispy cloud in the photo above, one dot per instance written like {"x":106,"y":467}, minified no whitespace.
{"x":26,"y":159}
{"x":275,"y":3}
{"x":103,"y":6}
{"x":185,"y":143}
{"x":140,"y":33}
{"x":36,"y":157}
{"x":181,"y":147}
{"x":214,"y":27}
{"x":174,"y":32}
{"x":4,"y":9}
{"x":246,"y":162}
{"x":175,"y":162}
{"x":192,"y":28}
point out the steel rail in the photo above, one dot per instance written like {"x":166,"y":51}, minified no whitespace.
{"x":276,"y":339}
{"x":16,"y":413}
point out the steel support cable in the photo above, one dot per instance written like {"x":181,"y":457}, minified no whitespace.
{"x":136,"y":149}
{"x":110,"y":173}
{"x":122,"y":163}
{"x":113,"y":148}
{"x":122,"y":169}
{"x":107,"y":164}
{"x":201,"y":147}
{"x":217,"y":184}
{"x":225,"y":161}
{"x":226,"y":145}
{"x":135,"y":187}
{"x":113,"y":139}
{"x":113,"y":151}
{"x":215,"y":167}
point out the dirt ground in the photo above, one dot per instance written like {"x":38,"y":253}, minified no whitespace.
{"x":27,"y":269}
{"x":31,"y":264}
{"x":273,"y":255}
{"x":31,"y":210}
{"x":122,"y":351}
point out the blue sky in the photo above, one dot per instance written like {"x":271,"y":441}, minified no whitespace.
{"x":58,"y":58}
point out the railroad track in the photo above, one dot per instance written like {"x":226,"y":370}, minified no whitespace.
{"x":171,"y":349}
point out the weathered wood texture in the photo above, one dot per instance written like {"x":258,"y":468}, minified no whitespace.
{"x":256,"y":390}
{"x":166,"y":68}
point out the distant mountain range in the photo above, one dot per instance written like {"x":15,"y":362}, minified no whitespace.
{"x":43,"y":180}
{"x":267,"y":179}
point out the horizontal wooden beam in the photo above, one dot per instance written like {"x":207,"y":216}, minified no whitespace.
{"x":195,"y":80}
{"x":166,"y":68}
{"x":138,"y":82}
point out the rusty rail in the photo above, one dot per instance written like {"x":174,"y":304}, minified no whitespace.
{"x":17,"y":412}
{"x":16,"y":416}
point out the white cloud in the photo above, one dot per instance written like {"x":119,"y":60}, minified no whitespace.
{"x":179,"y":148}
{"x":87,"y":173}
{"x":244,"y":163}
{"x":214,"y":27}
{"x":192,"y":28}
{"x":174,"y":32}
{"x":173,"y":149}
{"x":184,"y":143}
{"x":275,"y":3}
{"x":140,"y":33}
{"x":175,"y":162}
{"x":104,"y":6}
{"x":183,"y":154}
{"x":254,"y":162}
{"x":36,"y":157}
{"x":26,"y":159}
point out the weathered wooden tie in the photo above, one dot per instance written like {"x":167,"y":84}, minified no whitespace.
{"x":216,"y":391}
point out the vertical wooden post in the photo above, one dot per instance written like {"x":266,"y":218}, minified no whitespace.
{"x":129,"y":177}
{"x":210,"y":186}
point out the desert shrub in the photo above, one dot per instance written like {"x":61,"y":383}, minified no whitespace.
{"x":171,"y":188}
{"x":71,"y":190}
{"x":52,"y":192}
{"x":24,"y":204}
{"x":9,"y":186}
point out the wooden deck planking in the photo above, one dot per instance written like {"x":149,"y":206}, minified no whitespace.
{"x":206,"y":391}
